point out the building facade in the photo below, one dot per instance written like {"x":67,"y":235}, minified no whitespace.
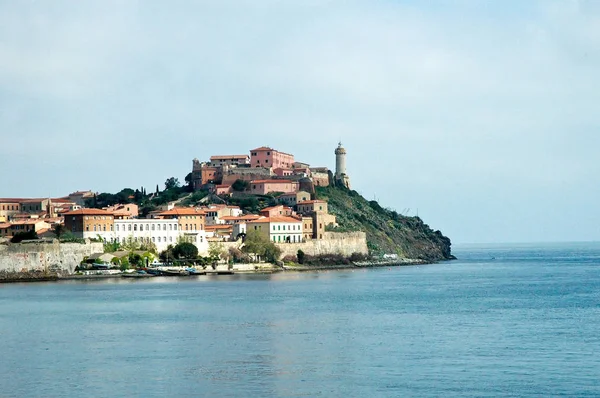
{"x":269,"y":157}
{"x":278,"y":229}
{"x":263,"y":187}
{"x":89,"y":223}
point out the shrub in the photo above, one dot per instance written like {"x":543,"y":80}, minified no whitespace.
{"x":21,"y":236}
{"x":290,"y":259}
{"x":358,"y":257}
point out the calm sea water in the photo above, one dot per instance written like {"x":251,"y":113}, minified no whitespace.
{"x":501,"y":321}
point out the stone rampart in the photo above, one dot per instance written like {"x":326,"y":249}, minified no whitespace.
{"x":45,"y":256}
{"x":344,"y":243}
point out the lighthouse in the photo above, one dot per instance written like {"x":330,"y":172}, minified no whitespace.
{"x":340,"y":167}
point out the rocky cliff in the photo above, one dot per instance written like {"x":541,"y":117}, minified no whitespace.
{"x":387,"y":231}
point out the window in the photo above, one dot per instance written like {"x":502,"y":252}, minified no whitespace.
{"x":158,"y":239}
{"x":111,"y":227}
{"x":268,"y":153}
{"x":153,"y":227}
{"x":164,"y":228}
{"x":129,"y":227}
{"x":117,"y":227}
{"x":104,"y":227}
{"x":135,"y":227}
{"x":170,"y":239}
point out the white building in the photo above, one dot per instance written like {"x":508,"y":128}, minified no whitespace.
{"x":278,"y":229}
{"x":161,"y":232}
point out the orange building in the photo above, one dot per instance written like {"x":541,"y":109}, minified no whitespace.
{"x":188,"y":219}
{"x":88,"y":223}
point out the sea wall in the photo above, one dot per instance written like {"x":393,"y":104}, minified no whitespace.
{"x":45,"y":256}
{"x":344,"y":243}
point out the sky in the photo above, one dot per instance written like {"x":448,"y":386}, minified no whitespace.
{"x":479,"y":116}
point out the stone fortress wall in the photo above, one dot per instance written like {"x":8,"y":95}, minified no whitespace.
{"x":344,"y":243}
{"x":45,"y":256}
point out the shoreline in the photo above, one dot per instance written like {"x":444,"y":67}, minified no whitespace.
{"x":250,"y":268}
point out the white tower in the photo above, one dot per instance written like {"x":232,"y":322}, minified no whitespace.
{"x":340,"y":166}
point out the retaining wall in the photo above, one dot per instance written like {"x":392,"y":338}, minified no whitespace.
{"x":45,"y":256}
{"x":344,"y":243}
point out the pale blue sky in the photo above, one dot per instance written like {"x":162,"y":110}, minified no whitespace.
{"x":481,"y":115}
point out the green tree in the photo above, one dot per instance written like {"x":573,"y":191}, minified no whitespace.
{"x":259,"y":244}
{"x":21,"y":236}
{"x":58,"y":230}
{"x":111,"y":247}
{"x":171,"y":182}
{"x":300,"y":256}
{"x":135,"y":259}
{"x":240,"y":185}
{"x":185,"y":251}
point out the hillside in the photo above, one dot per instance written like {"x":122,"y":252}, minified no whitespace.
{"x":387,"y":231}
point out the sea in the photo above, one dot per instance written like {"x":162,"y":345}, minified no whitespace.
{"x":501,"y":321}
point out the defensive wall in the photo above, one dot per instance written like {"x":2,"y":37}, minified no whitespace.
{"x":344,"y":243}
{"x":45,"y":256}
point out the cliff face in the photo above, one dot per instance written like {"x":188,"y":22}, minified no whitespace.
{"x":387,"y":231}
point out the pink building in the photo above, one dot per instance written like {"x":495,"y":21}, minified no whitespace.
{"x":268,"y":157}
{"x":281,"y":172}
{"x":277,"y":211}
{"x":263,"y":187}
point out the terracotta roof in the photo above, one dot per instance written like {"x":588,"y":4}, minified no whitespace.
{"x":182,"y":211}
{"x":5,"y":225}
{"x":88,"y":212}
{"x":308,"y":202}
{"x":213,"y":227}
{"x":271,"y":182}
{"x":11,"y":200}
{"x":249,"y":217}
{"x":223,"y":186}
{"x":229,"y":157}
{"x":31,"y":221}
{"x":275,"y":219}
{"x":272,"y":208}
{"x":262,"y":148}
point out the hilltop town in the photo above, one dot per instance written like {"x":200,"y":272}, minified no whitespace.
{"x":296,"y":217}
{"x":266,"y":192}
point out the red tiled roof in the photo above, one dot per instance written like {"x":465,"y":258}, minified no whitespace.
{"x":276,"y":219}
{"x":5,"y":225}
{"x":11,"y":200}
{"x":213,"y":227}
{"x":271,"y":182}
{"x":88,"y":212}
{"x":262,"y":148}
{"x":272,"y":208}
{"x":182,"y":211}
{"x":229,"y":157}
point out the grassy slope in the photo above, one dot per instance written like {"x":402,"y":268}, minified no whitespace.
{"x":387,"y":231}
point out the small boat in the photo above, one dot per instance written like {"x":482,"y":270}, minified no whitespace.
{"x":137,"y":274}
{"x":194,"y":271}
{"x":174,"y":272}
